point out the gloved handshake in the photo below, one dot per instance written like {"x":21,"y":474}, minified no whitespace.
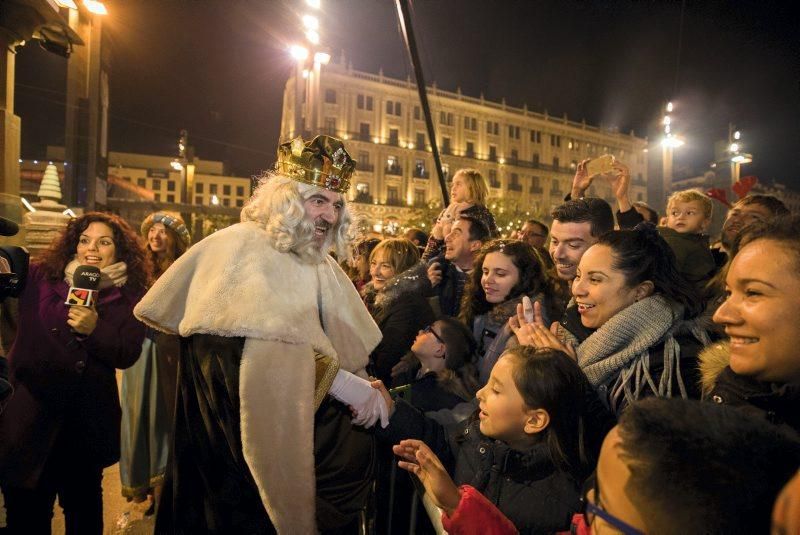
{"x":358,"y":393}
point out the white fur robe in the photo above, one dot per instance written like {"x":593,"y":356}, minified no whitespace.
{"x":234,"y":284}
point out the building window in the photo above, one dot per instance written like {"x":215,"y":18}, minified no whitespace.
{"x":514,"y":156}
{"x":198,"y":199}
{"x":493,"y":128}
{"x":226,"y":202}
{"x":389,"y":107}
{"x":446,"y":170}
{"x":156,"y":183}
{"x":470,"y":149}
{"x":198,"y":187}
{"x":419,"y":169}
{"x":536,"y":136}
{"x":394,"y":136}
{"x":421,"y":140}
{"x":446,"y":145}
{"x":239,"y":203}
{"x":417,"y":113}
{"x":470,"y":123}
{"x":554,"y":185}
{"x":330,"y":96}
{"x":392,"y":166}
{"x":360,"y":102}
{"x":535,"y":159}
{"x":364,"y":102}
{"x":398,"y":109}
{"x":212,"y":189}
{"x":170,"y":185}
{"x":369,"y":103}
{"x":330,"y":126}
{"x":226,"y":189}
{"x":171,"y":197}
{"x":493,"y":182}
{"x":392,"y":195}
{"x":240,"y":191}
{"x":141,"y":182}
{"x":419,"y":197}
{"x":555,"y":163}
{"x":493,"y":153}
{"x":157,"y":197}
{"x":363,"y":160}
{"x":363,"y":131}
{"x":536,"y":182}
{"x":513,"y":131}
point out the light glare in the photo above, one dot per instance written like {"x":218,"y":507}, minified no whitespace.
{"x":313,"y":37}
{"x":298,"y":52}
{"x":310,"y":22}
{"x":96,"y":7}
{"x":315,"y":4}
{"x":322,"y":58}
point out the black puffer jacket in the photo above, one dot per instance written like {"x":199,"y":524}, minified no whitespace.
{"x":525,"y":486}
{"x":777,"y":403}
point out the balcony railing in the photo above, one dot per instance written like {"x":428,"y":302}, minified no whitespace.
{"x":364,"y":198}
{"x":421,"y":173}
{"x":366,"y":167}
{"x":515,"y":187}
{"x":535,"y":189}
{"x":495,"y":183}
{"x":394,"y":202}
{"x":394,"y":170}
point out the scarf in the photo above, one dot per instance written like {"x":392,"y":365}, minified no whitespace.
{"x":618,"y":352}
{"x":112,"y":275}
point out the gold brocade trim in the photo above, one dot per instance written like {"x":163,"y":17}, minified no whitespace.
{"x":326,"y":369}
{"x":133,"y":492}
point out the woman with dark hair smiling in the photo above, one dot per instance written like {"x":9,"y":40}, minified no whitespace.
{"x":505,"y":272}
{"x":62,"y":427}
{"x":758,"y":370}
{"x":631,"y":323}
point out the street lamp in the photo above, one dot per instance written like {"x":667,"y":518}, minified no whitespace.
{"x":737,"y":156}
{"x":95,"y":7}
{"x":669,"y":142}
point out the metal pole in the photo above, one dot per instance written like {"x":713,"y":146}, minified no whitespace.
{"x":404,"y":14}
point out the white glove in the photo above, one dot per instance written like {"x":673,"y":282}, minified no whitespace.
{"x":359,"y":394}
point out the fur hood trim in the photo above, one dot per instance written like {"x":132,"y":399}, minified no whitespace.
{"x":713,"y":359}
{"x":407,"y":282}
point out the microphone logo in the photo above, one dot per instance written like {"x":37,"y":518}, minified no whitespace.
{"x":85,"y":286}
{"x":81,"y":297}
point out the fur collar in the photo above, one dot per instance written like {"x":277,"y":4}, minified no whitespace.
{"x":405,"y":283}
{"x":713,"y":360}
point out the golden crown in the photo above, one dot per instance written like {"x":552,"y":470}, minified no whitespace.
{"x":321,"y":162}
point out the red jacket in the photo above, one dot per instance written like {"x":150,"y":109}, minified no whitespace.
{"x":476,"y":515}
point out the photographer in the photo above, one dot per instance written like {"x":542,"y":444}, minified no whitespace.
{"x":62,"y":425}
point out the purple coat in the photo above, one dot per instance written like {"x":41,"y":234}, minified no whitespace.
{"x":65,"y":383}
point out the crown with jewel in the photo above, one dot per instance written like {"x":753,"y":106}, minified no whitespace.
{"x":321,"y":162}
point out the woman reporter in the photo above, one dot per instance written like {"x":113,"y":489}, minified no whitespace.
{"x":62,"y":427}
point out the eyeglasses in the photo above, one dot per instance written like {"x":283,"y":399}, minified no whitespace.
{"x":591,"y":510}
{"x":429,"y":329}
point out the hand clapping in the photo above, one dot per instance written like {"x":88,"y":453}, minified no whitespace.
{"x":536,"y":334}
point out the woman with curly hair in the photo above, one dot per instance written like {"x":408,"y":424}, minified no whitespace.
{"x":149,"y":387}
{"x":504,"y":273}
{"x":62,"y":426}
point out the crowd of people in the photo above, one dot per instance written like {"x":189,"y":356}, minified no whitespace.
{"x":608,"y":372}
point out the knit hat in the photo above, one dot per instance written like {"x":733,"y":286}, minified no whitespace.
{"x":172,"y":222}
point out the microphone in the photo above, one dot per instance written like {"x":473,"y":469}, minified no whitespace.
{"x":84,"y":289}
{"x":8,"y":227}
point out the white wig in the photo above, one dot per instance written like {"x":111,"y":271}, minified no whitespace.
{"x":277,"y":206}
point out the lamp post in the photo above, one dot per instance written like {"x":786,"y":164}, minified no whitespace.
{"x":737,"y":156}
{"x":668,"y":144}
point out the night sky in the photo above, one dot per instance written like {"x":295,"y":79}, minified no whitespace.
{"x":218,"y":68}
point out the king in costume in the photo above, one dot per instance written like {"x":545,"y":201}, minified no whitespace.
{"x":268,"y":323}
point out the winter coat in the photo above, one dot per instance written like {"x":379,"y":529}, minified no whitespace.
{"x":689,"y":345}
{"x":64,"y":382}
{"x":525,"y":486}
{"x":778,"y":403}
{"x":400,"y":312}
{"x":475,"y":515}
{"x":426,"y":394}
{"x":448,"y":292}
{"x":492,"y":333}
{"x":693,"y":256}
